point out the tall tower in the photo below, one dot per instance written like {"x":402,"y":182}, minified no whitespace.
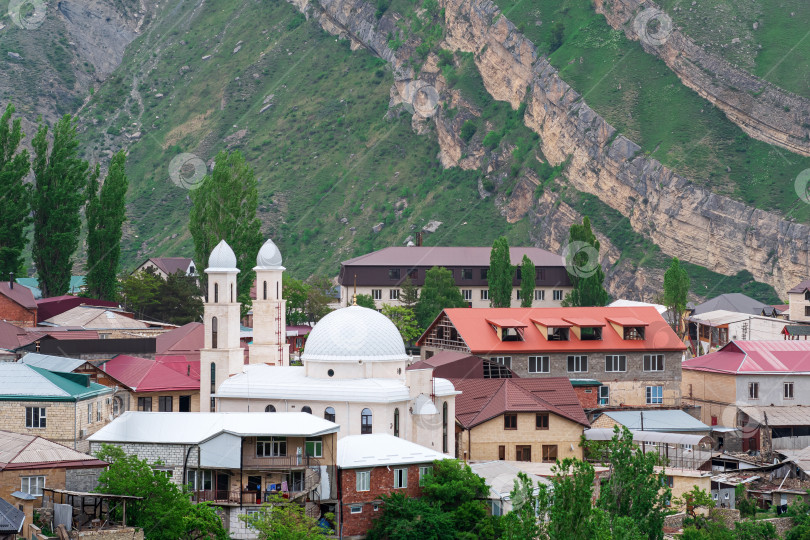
{"x":221,"y":355}
{"x":269,"y":310}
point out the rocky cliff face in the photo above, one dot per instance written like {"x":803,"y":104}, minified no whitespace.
{"x":684,"y":220}
{"x":763,"y":110}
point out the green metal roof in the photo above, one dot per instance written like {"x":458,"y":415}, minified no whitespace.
{"x":585,"y":382}
{"x":21,"y":382}
{"x":797,"y":330}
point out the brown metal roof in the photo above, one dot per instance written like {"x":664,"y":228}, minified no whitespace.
{"x":450,"y":256}
{"x":19,"y":294}
{"x":23,"y":451}
{"x":170,"y":265}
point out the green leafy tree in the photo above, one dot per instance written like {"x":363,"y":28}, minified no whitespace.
{"x":693,"y":501}
{"x":584,"y":270}
{"x":224,"y":208}
{"x":409,"y":294}
{"x":140,"y":292}
{"x":528,"y":278}
{"x":319,"y":296}
{"x":569,"y":516}
{"x":499,"y":275}
{"x":439,"y":292}
{"x":59,"y":193}
{"x":405,"y":321}
{"x":165,"y":511}
{"x":15,"y":203}
{"x":745,"y":504}
{"x":529,"y":510}
{"x":406,"y":518}
{"x":176,"y":299}
{"x":676,"y":291}
{"x":365,"y":300}
{"x":634,"y":489}
{"x":755,"y":530}
{"x":105,"y":214}
{"x":285,"y":520}
{"x":294,"y":292}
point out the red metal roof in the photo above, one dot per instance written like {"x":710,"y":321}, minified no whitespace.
{"x":507,"y":323}
{"x":480,"y":337}
{"x":56,"y":305}
{"x":484,"y":399}
{"x":144,"y":375}
{"x":13,"y":337}
{"x":778,"y":356}
{"x":186,"y":340}
{"x":627,"y":321}
{"x":586,"y":322}
{"x":182,"y":365}
{"x":19,"y":294}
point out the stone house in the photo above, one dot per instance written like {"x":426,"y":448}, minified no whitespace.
{"x":65,"y":408}
{"x":165,"y":266}
{"x":30,"y":463}
{"x":799,"y":302}
{"x":631,"y":351}
{"x":371,"y":466}
{"x":17,"y":305}
{"x":518,"y":420}
{"x":235,"y":460}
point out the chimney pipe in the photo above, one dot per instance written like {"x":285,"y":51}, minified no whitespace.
{"x":11,"y":280}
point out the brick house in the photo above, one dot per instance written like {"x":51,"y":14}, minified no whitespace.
{"x":29,"y":463}
{"x":62,"y":407}
{"x":17,"y":305}
{"x":370,"y":466}
{"x":518,"y":420}
{"x":632,"y":351}
{"x":234,"y":460}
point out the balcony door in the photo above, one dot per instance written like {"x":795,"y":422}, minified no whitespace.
{"x":223,"y":487}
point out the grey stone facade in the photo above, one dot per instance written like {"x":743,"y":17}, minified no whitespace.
{"x":171,"y":456}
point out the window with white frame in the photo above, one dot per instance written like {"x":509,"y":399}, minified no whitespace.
{"x":788,"y":390}
{"x":655,"y":395}
{"x":539,"y":364}
{"x":497,"y":507}
{"x":539,"y":294}
{"x":363,"y":480}
{"x":753,"y":390}
{"x":271,"y":446}
{"x":467,"y":294}
{"x":558,"y":295}
{"x":484,"y":294}
{"x":35,"y":417}
{"x":356,"y":509}
{"x":615,"y":362}
{"x":577,"y":364}
{"x":424,"y":470}
{"x":89,"y":413}
{"x":254,"y":512}
{"x":314,"y":447}
{"x":98,"y":412}
{"x":653,"y":362}
{"x":32,"y":485}
{"x":393,"y":294}
{"x":503,"y":360}
{"x":200,"y":479}
{"x":376,"y":294}
{"x":604,"y":395}
{"x":400,"y":478}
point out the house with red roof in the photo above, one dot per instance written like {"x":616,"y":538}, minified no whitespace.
{"x":537,"y":419}
{"x":631,"y":351}
{"x":760,"y":388}
{"x":166,"y":385}
{"x":17,"y":304}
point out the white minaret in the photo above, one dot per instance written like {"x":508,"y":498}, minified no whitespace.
{"x":269,"y":310}
{"x":222,"y":356}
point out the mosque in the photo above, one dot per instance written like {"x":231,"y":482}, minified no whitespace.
{"x":355,"y":368}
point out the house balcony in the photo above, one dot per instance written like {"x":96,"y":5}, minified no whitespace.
{"x":250,"y":461}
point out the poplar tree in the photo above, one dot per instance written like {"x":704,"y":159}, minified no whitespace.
{"x":527,"y":282}
{"x":15,"y":203}
{"x":59,"y":193}
{"x":499,"y":275}
{"x":224,"y":208}
{"x":676,"y":291}
{"x":584,"y":270}
{"x":439,"y":292}
{"x":105,"y":218}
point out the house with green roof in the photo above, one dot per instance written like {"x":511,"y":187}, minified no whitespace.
{"x":65,"y":408}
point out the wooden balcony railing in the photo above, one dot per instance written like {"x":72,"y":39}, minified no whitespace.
{"x":281,"y":462}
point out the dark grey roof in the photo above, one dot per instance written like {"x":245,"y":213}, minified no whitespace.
{"x":11,"y":518}
{"x":736,"y":302}
{"x":450,"y":256}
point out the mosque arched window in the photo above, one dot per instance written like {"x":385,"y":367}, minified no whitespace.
{"x":444,"y":427}
{"x":213,"y":384}
{"x":307,"y":409}
{"x":396,"y":422}
{"x":329,"y":414}
{"x":365,"y":421}
{"x":269,"y":408}
{"x":214,"y":332}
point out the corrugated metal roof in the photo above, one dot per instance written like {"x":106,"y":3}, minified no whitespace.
{"x":380,"y":450}
{"x":500,"y":476}
{"x":720,"y":317}
{"x":17,"y":449}
{"x":605,"y":434}
{"x":779,"y":416}
{"x":194,"y":428}
{"x":736,"y":302}
{"x":658,"y":420}
{"x":19,"y":381}
{"x":11,"y":518}
{"x":774,"y":356}
{"x":144,"y":375}
{"x":52,"y":363}
{"x":95,"y":318}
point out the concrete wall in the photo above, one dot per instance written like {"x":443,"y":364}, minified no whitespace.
{"x":482,"y":441}
{"x":195,"y":399}
{"x":797,"y":305}
{"x":82,"y":479}
{"x":715,"y":393}
{"x":771,"y":389}
{"x":346,"y":294}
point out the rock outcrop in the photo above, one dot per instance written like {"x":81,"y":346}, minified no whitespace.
{"x":761,"y":109}
{"x":684,"y":220}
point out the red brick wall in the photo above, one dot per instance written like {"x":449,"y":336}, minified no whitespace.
{"x":587,"y":400}
{"x":14,"y":313}
{"x":382,"y":483}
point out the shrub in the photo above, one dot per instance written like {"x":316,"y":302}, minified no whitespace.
{"x":468,"y":129}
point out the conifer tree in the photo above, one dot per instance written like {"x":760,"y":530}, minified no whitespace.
{"x":15,"y":203}
{"x":584,"y":270}
{"x":59,"y":193}
{"x":225,"y":209}
{"x":410,"y":293}
{"x":527,"y":282}
{"x":105,"y":218}
{"x":499,"y":275}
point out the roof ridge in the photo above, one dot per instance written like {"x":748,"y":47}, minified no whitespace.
{"x":29,"y":443}
{"x":483,"y":408}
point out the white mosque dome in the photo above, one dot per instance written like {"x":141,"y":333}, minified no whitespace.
{"x":269,"y":256}
{"x":353,"y":334}
{"x":222,"y":258}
